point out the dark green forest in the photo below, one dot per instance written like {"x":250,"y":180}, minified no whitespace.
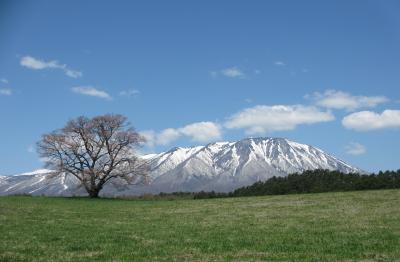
{"x":313,"y":181}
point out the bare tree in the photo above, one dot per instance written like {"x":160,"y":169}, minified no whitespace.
{"x":95,"y":151}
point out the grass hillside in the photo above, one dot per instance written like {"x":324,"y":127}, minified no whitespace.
{"x":351,"y":226}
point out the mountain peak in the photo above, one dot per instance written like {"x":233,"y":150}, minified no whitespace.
{"x":218,"y":166}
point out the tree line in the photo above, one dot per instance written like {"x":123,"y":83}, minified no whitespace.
{"x":313,"y":181}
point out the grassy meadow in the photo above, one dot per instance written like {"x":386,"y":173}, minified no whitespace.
{"x":349,"y":226}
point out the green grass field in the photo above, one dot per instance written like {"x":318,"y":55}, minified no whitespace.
{"x":351,"y":226}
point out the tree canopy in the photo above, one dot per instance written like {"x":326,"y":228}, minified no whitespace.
{"x":95,"y":150}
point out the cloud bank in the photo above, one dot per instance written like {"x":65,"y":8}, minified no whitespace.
{"x":39,"y":64}
{"x":341,"y":100}
{"x":231,"y":72}
{"x":262,"y":119}
{"x":368,"y":120}
{"x":91,"y":91}
{"x":202,"y":132}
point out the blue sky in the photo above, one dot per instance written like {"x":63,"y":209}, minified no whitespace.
{"x":191,"y":72}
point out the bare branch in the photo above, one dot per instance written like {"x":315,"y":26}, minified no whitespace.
{"x":94,"y":150}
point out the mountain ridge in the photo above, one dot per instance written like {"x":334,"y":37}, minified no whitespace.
{"x":218,"y":166}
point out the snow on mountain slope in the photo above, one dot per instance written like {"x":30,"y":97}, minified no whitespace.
{"x":226,"y":166}
{"x":161,"y":163}
{"x":221,"y":166}
{"x":37,"y":183}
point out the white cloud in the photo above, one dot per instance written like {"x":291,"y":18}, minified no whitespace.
{"x":167,"y":136}
{"x":262,"y":119}
{"x":150,"y":136}
{"x":368,"y":120}
{"x":355,"y":149}
{"x":199,"y":132}
{"x":129,"y":93}
{"x":5,"y":91}
{"x":342,"y":100}
{"x":202,"y":131}
{"x":38,"y":64}
{"x":232,"y":72}
{"x":4,"y":80}
{"x":279,"y":63}
{"x":73,"y":73}
{"x":91,"y":91}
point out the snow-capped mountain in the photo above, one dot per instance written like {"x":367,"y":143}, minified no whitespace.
{"x":221,"y":166}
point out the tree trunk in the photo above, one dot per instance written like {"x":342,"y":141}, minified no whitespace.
{"x":94,"y":193}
